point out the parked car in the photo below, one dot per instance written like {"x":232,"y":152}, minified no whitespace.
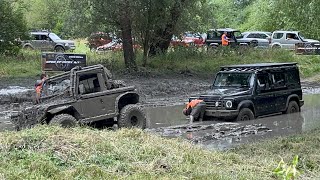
{"x":288,"y":39}
{"x":244,"y":92}
{"x":115,"y":45}
{"x":235,"y":38}
{"x":98,"y":39}
{"x":260,"y":38}
{"x":188,"y":39}
{"x":47,"y":41}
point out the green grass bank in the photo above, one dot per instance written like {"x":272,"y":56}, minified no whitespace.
{"x":55,"y":153}
{"x":181,"y":60}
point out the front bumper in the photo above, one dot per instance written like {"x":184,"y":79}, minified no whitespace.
{"x":222,"y":113}
{"x":70,"y":47}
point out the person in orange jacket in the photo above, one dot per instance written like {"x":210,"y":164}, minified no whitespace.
{"x":224,"y":39}
{"x":196,"y":109}
{"x":39,"y":85}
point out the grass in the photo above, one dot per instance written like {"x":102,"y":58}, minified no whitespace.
{"x":55,"y":153}
{"x":181,"y":60}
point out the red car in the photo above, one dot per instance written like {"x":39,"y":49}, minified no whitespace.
{"x":115,"y":46}
{"x":98,"y":39}
{"x":188,"y":39}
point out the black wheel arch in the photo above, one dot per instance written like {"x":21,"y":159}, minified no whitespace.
{"x":293,"y":97}
{"x":67,"y":109}
{"x":125,"y":99}
{"x":247,"y":104}
{"x":59,"y":45}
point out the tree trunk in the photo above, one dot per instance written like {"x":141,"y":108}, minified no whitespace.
{"x":126,"y":31}
{"x":163,"y":36}
{"x":146,"y":47}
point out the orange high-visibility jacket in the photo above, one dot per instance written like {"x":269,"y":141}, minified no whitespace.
{"x":193,"y":103}
{"x":224,"y":40}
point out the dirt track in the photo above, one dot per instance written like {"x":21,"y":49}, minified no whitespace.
{"x":154,"y":89}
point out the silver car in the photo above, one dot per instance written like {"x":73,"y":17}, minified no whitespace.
{"x":288,"y":39}
{"x":260,"y":38}
{"x":47,"y":41}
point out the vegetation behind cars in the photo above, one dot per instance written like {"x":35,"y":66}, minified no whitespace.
{"x":178,"y":60}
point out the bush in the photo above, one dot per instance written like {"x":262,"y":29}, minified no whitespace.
{"x":13,"y":27}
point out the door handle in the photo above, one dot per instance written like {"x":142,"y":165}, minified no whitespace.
{"x":101,"y":101}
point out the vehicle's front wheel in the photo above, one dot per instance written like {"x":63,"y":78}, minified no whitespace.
{"x":293,"y":107}
{"x":276,"y":46}
{"x":132,"y":116}
{"x":59,"y":49}
{"x":64,"y":120}
{"x":245,"y":114}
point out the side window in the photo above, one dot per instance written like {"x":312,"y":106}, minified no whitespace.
{"x":36,"y":37}
{"x":263,"y":82}
{"x":251,"y":35}
{"x":43,"y":37}
{"x":278,"y":80}
{"x":262,"y":36}
{"x":88,"y":83}
{"x":293,"y":77}
{"x":277,"y":35}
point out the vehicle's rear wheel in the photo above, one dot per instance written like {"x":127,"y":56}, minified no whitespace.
{"x":59,"y":49}
{"x":293,"y":107}
{"x":245,"y":114}
{"x":28,"y":48}
{"x":64,"y":120}
{"x":132,"y":116}
{"x":254,"y":43}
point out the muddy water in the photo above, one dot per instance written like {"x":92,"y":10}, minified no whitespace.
{"x":215,"y":134}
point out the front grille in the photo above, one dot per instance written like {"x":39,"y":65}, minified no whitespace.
{"x":212,"y":105}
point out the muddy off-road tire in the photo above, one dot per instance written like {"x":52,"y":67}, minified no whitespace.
{"x":59,"y":49}
{"x":132,"y":116}
{"x":293,"y":107}
{"x":245,"y":114}
{"x":64,"y":120}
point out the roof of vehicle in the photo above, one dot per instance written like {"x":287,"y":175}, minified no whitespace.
{"x":263,"y":32}
{"x":40,"y":32}
{"x":224,"y":29}
{"x":281,"y":31}
{"x":256,"y":67}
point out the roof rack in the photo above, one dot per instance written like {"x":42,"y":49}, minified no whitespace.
{"x":256,"y":67}
{"x":40,"y":30}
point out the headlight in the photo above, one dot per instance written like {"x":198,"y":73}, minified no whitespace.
{"x":66,"y":44}
{"x":228,"y":104}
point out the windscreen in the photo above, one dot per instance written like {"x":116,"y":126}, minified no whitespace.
{"x":54,"y":37}
{"x":234,"y":80}
{"x":56,"y":87}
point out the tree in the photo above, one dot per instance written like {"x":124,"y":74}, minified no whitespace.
{"x":118,"y":13}
{"x":12,"y":28}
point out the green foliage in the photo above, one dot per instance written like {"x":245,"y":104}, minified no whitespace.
{"x":287,"y":172}
{"x":12,"y":28}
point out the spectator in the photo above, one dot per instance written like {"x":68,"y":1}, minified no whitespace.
{"x":224,"y":39}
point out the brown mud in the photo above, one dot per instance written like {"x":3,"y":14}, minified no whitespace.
{"x":163,"y":98}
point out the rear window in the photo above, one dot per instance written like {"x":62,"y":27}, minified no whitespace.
{"x":277,"y":35}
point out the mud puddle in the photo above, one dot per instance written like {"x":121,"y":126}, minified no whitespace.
{"x":213,"y":134}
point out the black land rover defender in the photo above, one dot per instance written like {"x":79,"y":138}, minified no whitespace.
{"x":244,"y":92}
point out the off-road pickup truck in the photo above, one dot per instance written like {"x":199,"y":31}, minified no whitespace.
{"x":83,"y":95}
